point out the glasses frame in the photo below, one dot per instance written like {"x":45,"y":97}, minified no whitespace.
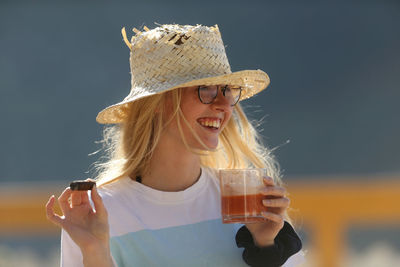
{"x":223,"y":89}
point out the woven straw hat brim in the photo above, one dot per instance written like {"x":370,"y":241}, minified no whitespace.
{"x":251,"y":81}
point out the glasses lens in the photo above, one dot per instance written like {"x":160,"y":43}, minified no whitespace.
{"x":207,"y":94}
{"x":232,"y":94}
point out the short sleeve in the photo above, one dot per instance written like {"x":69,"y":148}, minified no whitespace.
{"x":71,"y":255}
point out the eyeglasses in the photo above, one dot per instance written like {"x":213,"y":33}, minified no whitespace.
{"x":207,"y":94}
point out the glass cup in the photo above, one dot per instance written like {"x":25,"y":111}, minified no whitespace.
{"x":241,"y":198}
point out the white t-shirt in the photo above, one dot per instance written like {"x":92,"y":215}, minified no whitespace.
{"x":156,"y":228}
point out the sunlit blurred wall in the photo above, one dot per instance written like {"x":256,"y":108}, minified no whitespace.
{"x":334,"y":68}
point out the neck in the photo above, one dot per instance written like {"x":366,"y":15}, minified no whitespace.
{"x":172,"y":167}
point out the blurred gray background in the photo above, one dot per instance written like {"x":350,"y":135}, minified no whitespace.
{"x":334,"y":69}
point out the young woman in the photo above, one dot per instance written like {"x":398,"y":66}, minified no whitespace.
{"x":158,"y":198}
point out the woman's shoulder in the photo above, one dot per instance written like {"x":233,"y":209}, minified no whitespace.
{"x":115,"y":188}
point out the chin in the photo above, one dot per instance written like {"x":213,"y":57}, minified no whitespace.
{"x":211,"y":145}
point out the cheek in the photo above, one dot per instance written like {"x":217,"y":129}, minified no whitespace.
{"x":228,"y":117}
{"x":226,"y":123}
{"x":191,"y":107}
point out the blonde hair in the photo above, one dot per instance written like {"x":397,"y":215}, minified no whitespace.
{"x":129,"y":145}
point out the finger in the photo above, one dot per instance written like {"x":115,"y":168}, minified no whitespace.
{"x":51,"y":216}
{"x":85,"y":194}
{"x":76,"y":198}
{"x":268,"y":180}
{"x":80,"y":197}
{"x":98,"y":202}
{"x":277,"y":191}
{"x":85,"y":198}
{"x":283,"y":202}
{"x":63,"y":200}
{"x":273,"y":217}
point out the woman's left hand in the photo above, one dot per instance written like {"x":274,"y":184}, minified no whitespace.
{"x":276,"y":204}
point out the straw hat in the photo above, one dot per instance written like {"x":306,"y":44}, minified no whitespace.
{"x":174,"y":56}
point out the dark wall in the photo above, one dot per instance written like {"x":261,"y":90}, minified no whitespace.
{"x":334,"y":68}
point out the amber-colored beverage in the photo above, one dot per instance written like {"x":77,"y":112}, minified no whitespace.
{"x":241,"y":198}
{"x":242,"y":208}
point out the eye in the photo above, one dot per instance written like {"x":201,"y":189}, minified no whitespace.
{"x":226,"y":90}
{"x":203,"y":88}
{"x":207,"y":94}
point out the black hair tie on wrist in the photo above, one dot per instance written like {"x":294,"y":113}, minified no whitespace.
{"x":139,"y":179}
{"x":286,"y":244}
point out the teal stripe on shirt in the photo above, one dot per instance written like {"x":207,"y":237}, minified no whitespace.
{"x":208,"y":243}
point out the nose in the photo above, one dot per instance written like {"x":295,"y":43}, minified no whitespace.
{"x":221,"y":103}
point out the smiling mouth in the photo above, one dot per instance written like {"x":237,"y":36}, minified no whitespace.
{"x":210,"y":123}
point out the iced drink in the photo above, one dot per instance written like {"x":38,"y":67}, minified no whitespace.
{"x":241,"y":198}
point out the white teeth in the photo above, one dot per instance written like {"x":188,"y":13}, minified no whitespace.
{"x":211,"y":123}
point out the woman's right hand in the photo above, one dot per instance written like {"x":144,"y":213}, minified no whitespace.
{"x":88,"y":228}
